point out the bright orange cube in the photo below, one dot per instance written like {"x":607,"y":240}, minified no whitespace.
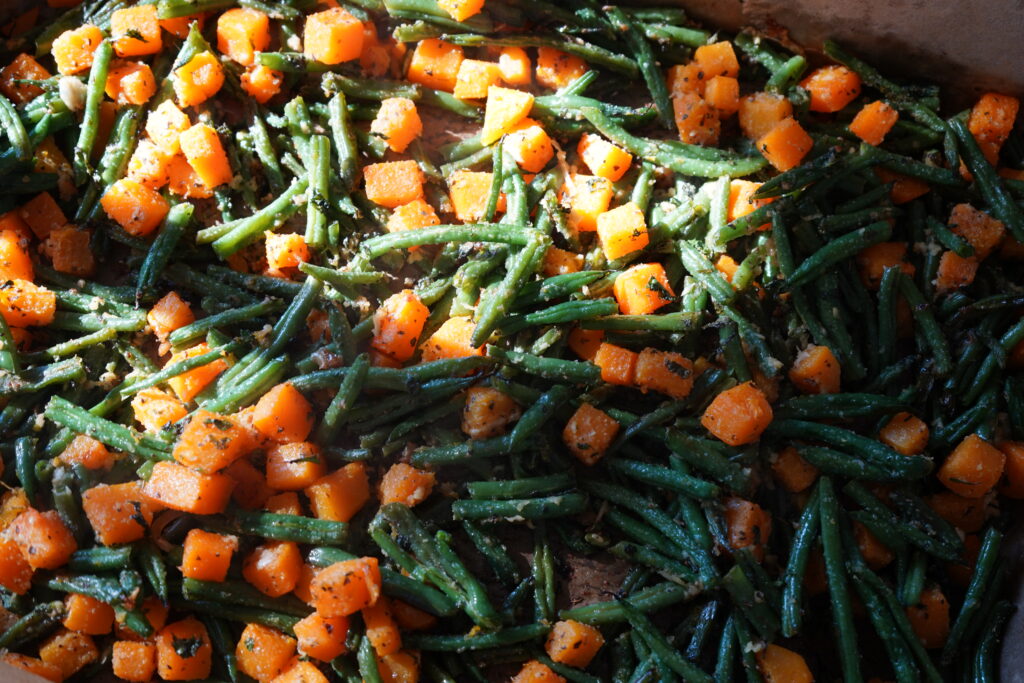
{"x":435,"y":64}
{"x":261,"y":82}
{"x":618,"y":364}
{"x":973,"y":468}
{"x":393,"y":183}
{"x":283,"y":414}
{"x":469,"y":191}
{"x":294,"y":466}
{"x":474,"y":78}
{"x":589,"y":197}
{"x":873,"y":122}
{"x":136,"y":31}
{"x":831,"y":88}
{"x":530,"y":145}
{"x":416,"y":214}
{"x":397,"y":325}
{"x":460,"y":10}
{"x":73,"y":50}
{"x":557,"y":69}
{"x":785,"y":145}
{"x":202,"y":148}
{"x":333,"y":36}
{"x":666,"y":372}
{"x":514,"y":64}
{"x":341,"y":494}
{"x":642,"y":289}
{"x":23,"y":66}
{"x":622,"y":231}
{"x":451,"y":340}
{"x":180,"y":488}
{"x":242,"y":32}
{"x":118,"y":513}
{"x":188,"y":384}
{"x":505,"y":108}
{"x":23,"y":304}
{"x":285,"y":252}
{"x":602,"y":157}
{"x":589,"y":433}
{"x":397,"y":122}
{"x":738,"y":416}
{"x":198,"y":80}
{"x":165,"y":124}
{"x":87,"y":615}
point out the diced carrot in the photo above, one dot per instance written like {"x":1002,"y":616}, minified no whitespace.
{"x":759,"y":112}
{"x":150,"y":165}
{"x":405,"y":484}
{"x":285,"y":503}
{"x":723,"y":93}
{"x":589,"y":197}
{"x":973,"y":468}
{"x":905,"y":434}
{"x":514,"y":64}
{"x":135,"y":207}
{"x":505,"y":108}
{"x":69,"y":651}
{"x":274,"y":567}
{"x":560,"y":262}
{"x":474,"y":78}
{"x":748,"y":524}
{"x":873,"y":261}
{"x":435,"y":64}
{"x":739,"y":415}
{"x":294,"y":466}
{"x":180,"y":488}
{"x":815,"y":371}
{"x":179,"y":26}
{"x":285,"y":251}
{"x":412,"y":216}
{"x":904,"y":188}
{"x":168,"y":314}
{"x":779,"y":665}
{"x":642,"y":288}
{"x":261,"y":82}
{"x":742,"y":201}
{"x":375,"y":57}
{"x":460,"y":10}
{"x":530,"y":145}
{"x":966,"y":514}
{"x":831,"y":88}
{"x":381,"y":627}
{"x":589,"y":433}
{"x":202,"y":148}
{"x":585,"y":343}
{"x":198,"y":80}
{"x":534,"y":671}
{"x":183,"y":651}
{"x":469,"y":191}
{"x":785,"y":145}
{"x":346,"y":587}
{"x":341,"y":494}
{"x":207,"y":556}
{"x":717,"y":59}
{"x":1012,"y":485}
{"x":188,"y":384}
{"x":397,"y":122}
{"x":874,"y":552}
{"x":130,"y":83}
{"x":618,"y":364}
{"x":241,"y":32}
{"x":73,"y":50}
{"x":333,"y":36}
{"x":411,"y":618}
{"x":118,"y":513}
{"x":792,"y":471}
{"x":15,"y":571}
{"x":25,"y":67}
{"x":12,"y":222}
{"x":300,"y":671}
{"x":32,"y":665}
{"x":556,"y":69}
{"x":87,"y":452}
{"x":283,"y":415}
{"x":622,"y":231}
{"x":164,"y":126}
{"x":696,"y":120}
{"x":602,"y":157}
{"x":155,"y":408}
{"x":451,"y":340}
{"x":573,"y":643}
{"x":954,"y":272}
{"x":303,"y":587}
{"x":930,"y":618}
{"x":488,"y":412}
{"x":398,"y":324}
{"x":873,"y":122}
{"x":136,"y":31}
{"x":15,"y":258}
{"x":87,"y":615}
{"x":44,"y":540}
{"x":42,"y":215}
{"x":983,"y":232}
{"x":49,"y":158}
{"x":133,"y":661}
{"x":393,"y":183}
{"x":321,"y":637}
{"x":666,"y":372}
{"x":23,"y":304}
{"x":686,"y":78}
{"x":991,"y":121}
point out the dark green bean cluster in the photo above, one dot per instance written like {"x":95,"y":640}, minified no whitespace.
{"x":517,"y":534}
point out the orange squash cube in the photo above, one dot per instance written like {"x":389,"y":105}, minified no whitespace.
{"x":202,"y":148}
{"x":198,"y":80}
{"x":530,"y":145}
{"x":602,"y":157}
{"x":930,"y":618}
{"x":187,"y":385}
{"x":155,"y":408}
{"x":954,"y":272}
{"x":69,"y":651}
{"x":966,"y":514}
{"x":991,"y":120}
{"x":748,"y":525}
{"x":534,"y":671}
{"x":322,"y":638}
{"x":179,"y":26}
{"x":333,"y":36}
{"x":136,"y":31}
{"x":589,"y":433}
{"x":274,"y":567}
{"x":346,"y":587}
{"x":474,"y":78}
{"x":785,"y":145}
{"x":831,"y":88}
{"x":469,"y":191}
{"x":1012,"y":485}
{"x":73,"y":50}
{"x":341,"y":494}
{"x":488,"y":412}
{"x":261,"y":82}
{"x":505,"y":108}
{"x":42,"y":214}
{"x":779,"y":665}
{"x":397,"y":122}
{"x":983,"y":232}
{"x":642,"y":289}
{"x":33,"y":665}
{"x":666,"y":372}
{"x":416,"y":214}
{"x":618,"y":364}
{"x":557,"y":69}
{"x":264,"y":653}
{"x":397,"y":325}
{"x":435,"y":64}
{"x":904,"y":188}
{"x":211,"y":442}
{"x":45,"y":542}
{"x":242,"y":32}
{"x":149,"y":165}
{"x":134,"y":661}
{"x":717,"y":59}
{"x":180,"y":488}
{"x":589,"y":197}
{"x":451,"y":340}
{"x":573,"y":643}
{"x":23,"y":66}
{"x":405,"y":484}
{"x":177,"y":663}
{"x":514,"y":64}
{"x":815,"y":371}
{"x":251,"y":490}
{"x":905,"y":434}
{"x":15,"y":571}
{"x":585,"y":343}
{"x":723,"y":93}
{"x":87,"y":615}
{"x":168,"y":314}
{"x":460,"y":10}
{"x":792,"y":471}
{"x":207,"y":556}
{"x":738,"y":416}
{"x":87,"y":452}
{"x":294,"y":466}
{"x":696,"y":120}
{"x":283,"y":415}
{"x":973,"y":468}
{"x":135,"y":207}
{"x":393,"y":183}
{"x":165,"y":124}
{"x":761,"y":111}
{"x":873,"y":122}
{"x":118,"y":513}
{"x":742,"y":201}
{"x":559,"y":262}
{"x":622,"y":231}
{"x":130,"y":83}
{"x":873,"y":261}
{"x":23,"y":304}
{"x":285,"y":252}
{"x":15,"y":259}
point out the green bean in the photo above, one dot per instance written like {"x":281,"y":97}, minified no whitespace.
{"x":988,"y":181}
{"x":663,"y":477}
{"x":575,"y":372}
{"x":526,"y":509}
{"x":241,"y":613}
{"x":227,"y":238}
{"x":43,"y":618}
{"x":985,"y":567}
{"x":645,"y":61}
{"x":683,"y":35}
{"x":796,"y":568}
{"x":930,"y":328}
{"x":705,"y":273}
{"x":474,"y":642}
{"x":841,"y":406}
{"x":838,"y":250}
{"x":668,"y":568}
{"x":495,"y":304}
{"x":479,"y":232}
{"x":66,"y":414}
{"x":659,"y":645}
{"x":237,"y":593}
{"x":842,"y":611}
{"x":90,"y":122}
